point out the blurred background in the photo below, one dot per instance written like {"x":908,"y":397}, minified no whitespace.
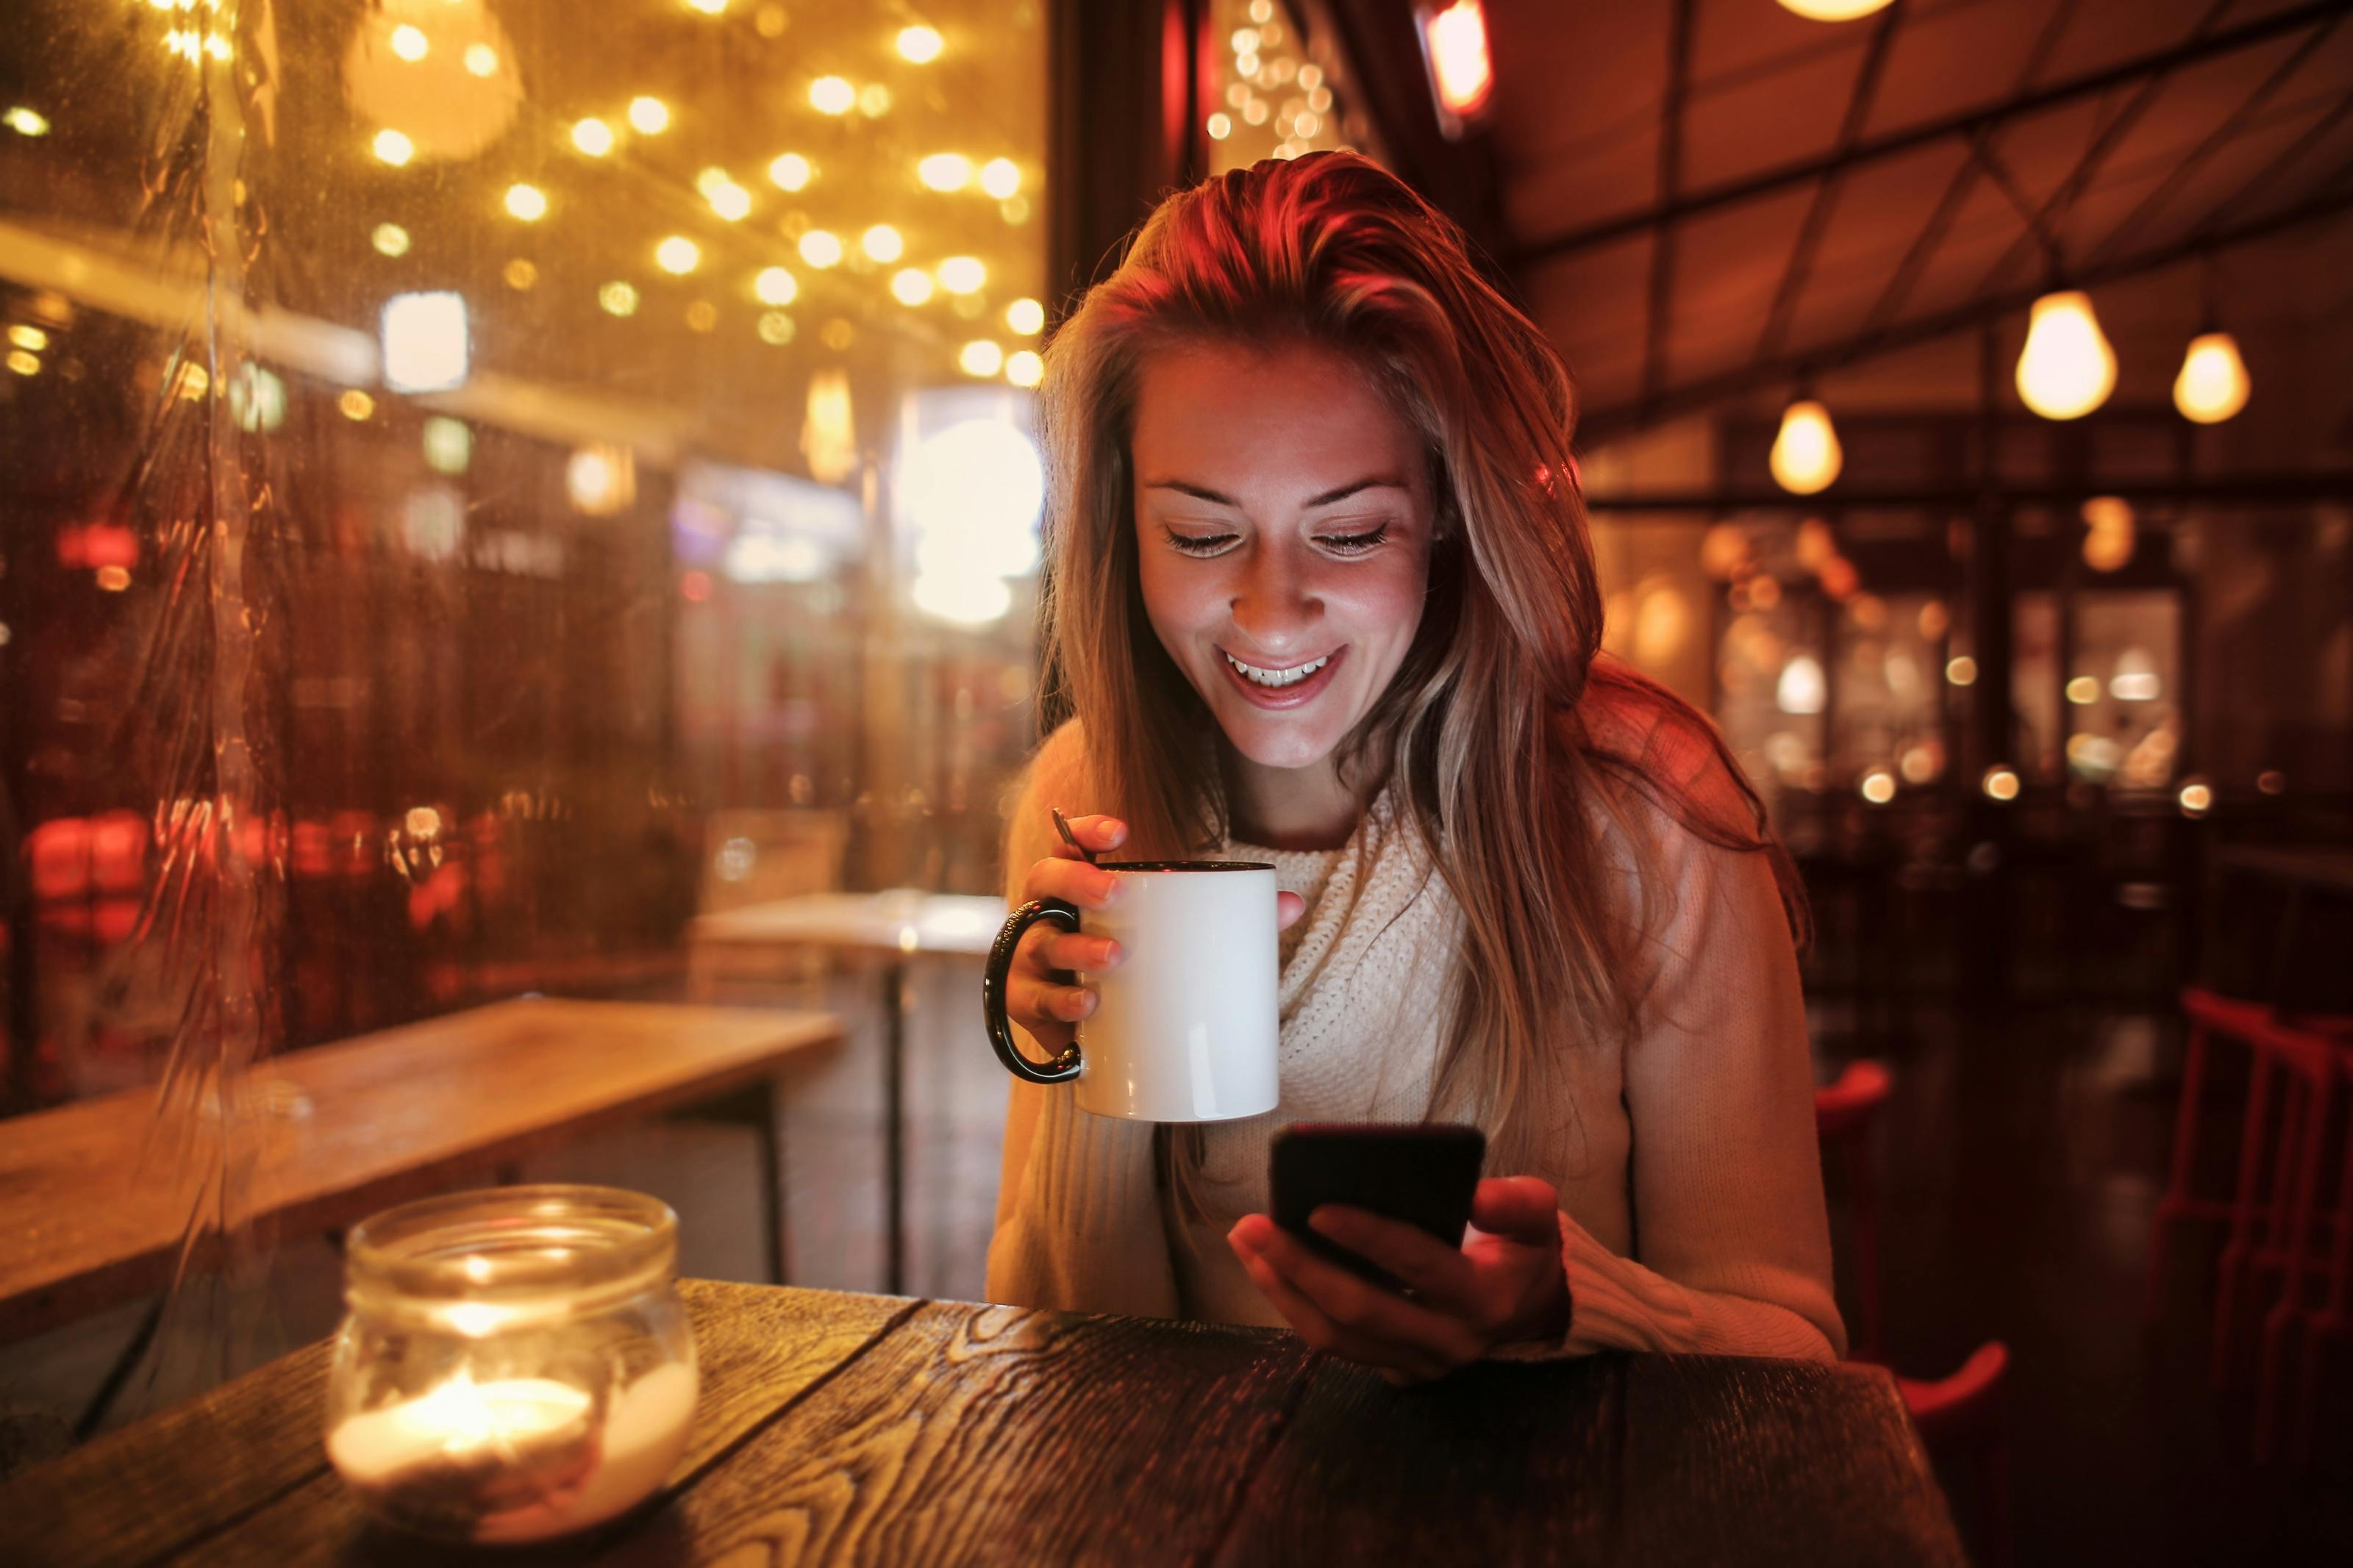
{"x":508,"y":500}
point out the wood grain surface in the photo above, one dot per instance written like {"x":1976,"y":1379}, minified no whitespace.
{"x":837,"y":1428}
{"x":346,"y":1129}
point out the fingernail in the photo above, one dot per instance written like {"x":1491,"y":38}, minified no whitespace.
{"x":1106,"y":888}
{"x":1115,"y":828}
{"x":1107,"y":951}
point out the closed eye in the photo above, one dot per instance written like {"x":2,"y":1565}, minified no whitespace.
{"x":1200,"y":543}
{"x":1354,"y":543}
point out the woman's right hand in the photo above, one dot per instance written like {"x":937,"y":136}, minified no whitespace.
{"x":1038,"y":993}
{"x":1038,"y":996}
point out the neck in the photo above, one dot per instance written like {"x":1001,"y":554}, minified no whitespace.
{"x":1289,"y":808}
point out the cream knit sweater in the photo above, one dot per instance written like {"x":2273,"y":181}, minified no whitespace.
{"x":1690,"y":1183}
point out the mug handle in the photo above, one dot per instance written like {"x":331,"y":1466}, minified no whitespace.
{"x":1064,"y":1068}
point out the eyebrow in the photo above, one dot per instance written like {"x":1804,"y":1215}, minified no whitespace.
{"x":1202,"y":492}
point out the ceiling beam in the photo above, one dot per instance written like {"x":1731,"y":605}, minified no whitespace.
{"x":2032,"y":102}
{"x":1671,"y":159}
{"x":2250,"y":490}
{"x":2333,"y":197}
{"x":1800,"y":264}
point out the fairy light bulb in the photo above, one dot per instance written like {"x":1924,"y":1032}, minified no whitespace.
{"x":883,"y":242}
{"x":2067,"y":368}
{"x":678,"y":255}
{"x":1805,"y":454}
{"x":775,"y":286}
{"x":919,"y":44}
{"x":526,"y":202}
{"x":2212,"y":386}
{"x":946,"y":171}
{"x":819,"y":249}
{"x":911,"y":286}
{"x":789,"y":171}
{"x":593,"y":136}
{"x":650,"y":115}
{"x":832,"y":95}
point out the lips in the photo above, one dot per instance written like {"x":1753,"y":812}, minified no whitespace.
{"x":1286,"y":686}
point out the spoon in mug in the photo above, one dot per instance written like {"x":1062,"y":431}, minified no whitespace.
{"x":1062,"y":825}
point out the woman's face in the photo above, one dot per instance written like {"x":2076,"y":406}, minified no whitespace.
{"x":1283,"y":517}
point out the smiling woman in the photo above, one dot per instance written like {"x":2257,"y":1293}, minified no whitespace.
{"x":1325,"y":598}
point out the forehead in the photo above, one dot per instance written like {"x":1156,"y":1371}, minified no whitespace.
{"x":1211,"y":411}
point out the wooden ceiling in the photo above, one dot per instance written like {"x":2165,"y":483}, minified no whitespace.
{"x":1706,"y":201}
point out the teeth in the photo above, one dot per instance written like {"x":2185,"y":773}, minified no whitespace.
{"x":1277,"y":678}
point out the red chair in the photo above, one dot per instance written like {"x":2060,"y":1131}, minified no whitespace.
{"x":1959,"y":1417}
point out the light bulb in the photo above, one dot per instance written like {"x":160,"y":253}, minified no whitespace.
{"x":678,"y":255}
{"x":1024,"y":368}
{"x":409,"y":43}
{"x":963,"y":275}
{"x":981,"y":357}
{"x":393,"y":148}
{"x":1805,"y":455}
{"x":919,"y":44}
{"x":651,"y":115}
{"x":946,"y":171}
{"x":775,"y":286}
{"x":819,"y":249}
{"x":1027,"y":317}
{"x":883,"y":242}
{"x":2212,"y":386}
{"x":832,"y":95}
{"x":789,"y":171}
{"x":1835,"y":10}
{"x":1000,"y":177}
{"x":2066,"y":368}
{"x":593,"y":136}
{"x":528,"y":202}
{"x":911,"y":286}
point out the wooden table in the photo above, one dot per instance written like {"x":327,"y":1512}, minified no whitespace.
{"x":873,"y":1429}
{"x":897,"y":926}
{"x":345,"y":1129}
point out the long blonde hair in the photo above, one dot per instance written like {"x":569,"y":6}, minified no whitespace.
{"x":1507,"y":742}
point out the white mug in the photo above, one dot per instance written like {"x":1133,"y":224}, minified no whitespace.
{"x":1185,"y":1029}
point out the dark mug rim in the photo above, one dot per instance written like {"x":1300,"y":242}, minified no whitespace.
{"x":1183,"y":866}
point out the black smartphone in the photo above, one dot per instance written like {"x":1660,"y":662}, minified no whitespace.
{"x":1421,"y":1172}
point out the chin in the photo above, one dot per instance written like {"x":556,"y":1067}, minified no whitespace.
{"x":1275,"y":746}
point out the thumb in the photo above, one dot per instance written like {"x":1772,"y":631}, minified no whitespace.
{"x":1524,"y":1208}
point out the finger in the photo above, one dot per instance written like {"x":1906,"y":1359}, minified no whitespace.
{"x":1045,"y":1008}
{"x":1097,"y":833}
{"x":1423,"y":1262}
{"x":1357,"y":1305}
{"x":1071,"y":880}
{"x":1077,"y":950}
{"x":1316,"y":1327}
{"x":1525,"y":1208}
{"x":1288,"y":908}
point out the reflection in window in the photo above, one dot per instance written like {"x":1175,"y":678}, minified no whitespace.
{"x":469,"y":507}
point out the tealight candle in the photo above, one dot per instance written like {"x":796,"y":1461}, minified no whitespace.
{"x":515,"y":1365}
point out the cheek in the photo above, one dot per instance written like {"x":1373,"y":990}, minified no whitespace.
{"x":1176,"y":601}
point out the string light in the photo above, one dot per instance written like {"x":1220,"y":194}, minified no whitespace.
{"x":2067,"y":368}
{"x":946,"y":171}
{"x":593,"y":136}
{"x":963,"y":275}
{"x":26,"y":336}
{"x":1835,"y":10}
{"x":819,"y":249}
{"x":481,"y":59}
{"x":526,"y":202}
{"x":650,"y":115}
{"x":24,"y":121}
{"x":874,"y":100}
{"x":1024,"y":368}
{"x":1000,"y":177}
{"x":390,"y":239}
{"x":393,"y":148}
{"x":355,"y":405}
{"x":618,"y":299}
{"x":24,"y":364}
{"x":775,"y":286}
{"x":520,"y":274}
{"x":708,"y":8}
{"x":789,"y":171}
{"x":831,"y":95}
{"x":775,"y":328}
{"x":2212,"y":386}
{"x":678,"y":255}
{"x":911,"y":286}
{"x":409,"y":43}
{"x":883,"y":242}
{"x":981,"y":357}
{"x":919,"y":44}
{"x":1027,"y":317}
{"x":1221,"y":125}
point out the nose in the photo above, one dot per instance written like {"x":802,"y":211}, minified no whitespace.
{"x":1275,"y":606}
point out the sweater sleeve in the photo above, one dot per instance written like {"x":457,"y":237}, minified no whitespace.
{"x":1724,"y":1168}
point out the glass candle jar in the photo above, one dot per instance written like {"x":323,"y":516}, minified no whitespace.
{"x":515,"y":1362}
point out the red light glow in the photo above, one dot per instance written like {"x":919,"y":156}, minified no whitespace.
{"x":1454,"y":41}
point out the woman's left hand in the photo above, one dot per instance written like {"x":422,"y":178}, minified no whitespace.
{"x":1507,"y":1283}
